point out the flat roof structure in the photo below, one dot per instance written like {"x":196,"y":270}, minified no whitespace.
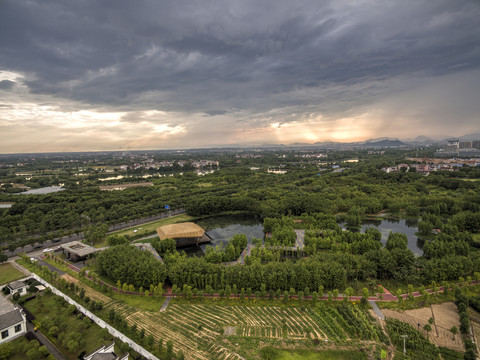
{"x":180,"y":231}
{"x":78,"y":250}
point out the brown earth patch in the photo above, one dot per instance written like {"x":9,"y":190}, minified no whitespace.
{"x":91,"y":293}
{"x":445,"y":316}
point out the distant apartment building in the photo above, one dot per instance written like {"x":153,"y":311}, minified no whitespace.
{"x":465,"y":144}
{"x":454,"y":143}
{"x":457,"y":148}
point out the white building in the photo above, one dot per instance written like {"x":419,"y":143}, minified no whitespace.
{"x":13,"y":322}
{"x":18,"y":287}
{"x":105,"y":353}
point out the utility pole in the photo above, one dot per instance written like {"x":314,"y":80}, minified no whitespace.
{"x":404,"y":337}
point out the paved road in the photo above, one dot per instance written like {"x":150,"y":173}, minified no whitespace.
{"x":79,"y":237}
{"x":44,"y":341}
{"x":377,"y":310}
{"x":165,"y":304}
{"x":51,"y":267}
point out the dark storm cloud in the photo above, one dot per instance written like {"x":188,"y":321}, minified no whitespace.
{"x":215,"y":112}
{"x":6,"y":84}
{"x":191,"y":57}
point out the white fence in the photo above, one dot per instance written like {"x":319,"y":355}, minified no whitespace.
{"x":99,"y":321}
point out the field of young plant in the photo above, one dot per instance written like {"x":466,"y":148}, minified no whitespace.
{"x":210,"y":331}
{"x":207,"y":331}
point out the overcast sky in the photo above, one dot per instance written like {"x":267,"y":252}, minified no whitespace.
{"x":122,"y":74}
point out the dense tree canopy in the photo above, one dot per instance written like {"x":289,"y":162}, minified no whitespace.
{"x":308,"y":196}
{"x":128,"y":264}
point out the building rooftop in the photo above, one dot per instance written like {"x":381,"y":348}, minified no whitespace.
{"x":11,"y":318}
{"x":104,"y":356}
{"x":9,"y":315}
{"x":181,"y":230}
{"x":5,"y":305}
{"x":17,"y":285}
{"x":78,"y":248}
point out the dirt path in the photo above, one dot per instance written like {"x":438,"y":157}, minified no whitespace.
{"x":165,"y":304}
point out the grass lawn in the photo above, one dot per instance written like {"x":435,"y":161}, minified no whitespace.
{"x":149,"y":228}
{"x":324,"y":355}
{"x":148,"y":303}
{"x":8,"y":274}
{"x":476,"y":237}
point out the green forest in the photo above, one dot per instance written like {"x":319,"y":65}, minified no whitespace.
{"x":308,"y":196}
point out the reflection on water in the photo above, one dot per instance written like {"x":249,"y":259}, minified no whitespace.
{"x":404,"y":226}
{"x":222,"y":228}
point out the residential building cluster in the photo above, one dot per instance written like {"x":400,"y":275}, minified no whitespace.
{"x":153,"y":164}
{"x":372,"y":152}
{"x":398,"y":168}
{"x":429,"y":165}
{"x":312,"y":156}
{"x":248,"y":156}
{"x":457,"y":148}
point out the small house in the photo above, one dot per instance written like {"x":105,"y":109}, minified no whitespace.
{"x":17,"y":287}
{"x":13,"y":322}
{"x":105,"y":353}
{"x":77,"y":251}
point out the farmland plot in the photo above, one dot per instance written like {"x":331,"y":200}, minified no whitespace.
{"x":197,"y":329}
{"x":445,"y":316}
{"x":206,"y":332}
{"x":91,"y":293}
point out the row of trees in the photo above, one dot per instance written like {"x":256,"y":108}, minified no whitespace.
{"x":335,"y":258}
{"x":131,"y":265}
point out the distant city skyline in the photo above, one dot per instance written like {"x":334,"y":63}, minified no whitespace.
{"x":127,"y":75}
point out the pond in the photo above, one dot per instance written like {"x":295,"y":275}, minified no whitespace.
{"x":222,"y":228}
{"x":404,"y":226}
{"x":44,"y":190}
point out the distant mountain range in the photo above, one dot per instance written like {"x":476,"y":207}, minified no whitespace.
{"x":383,"y":142}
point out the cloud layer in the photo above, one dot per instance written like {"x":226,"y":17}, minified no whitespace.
{"x":155,"y":74}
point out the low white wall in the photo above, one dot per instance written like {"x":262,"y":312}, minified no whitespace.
{"x":99,"y":321}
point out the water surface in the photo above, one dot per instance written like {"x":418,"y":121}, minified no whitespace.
{"x":404,"y":226}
